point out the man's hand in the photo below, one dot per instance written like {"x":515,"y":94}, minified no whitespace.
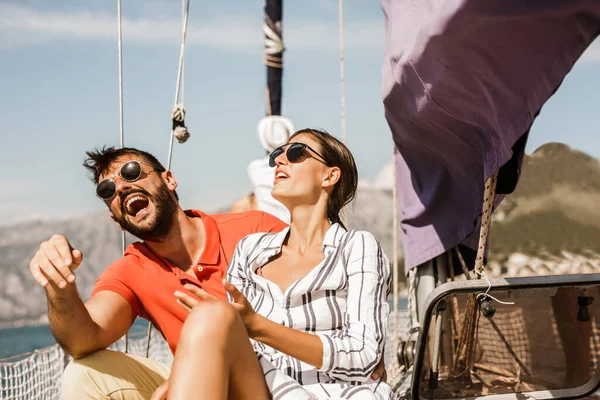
{"x":55,"y":262}
{"x":380,"y":371}
{"x":161,"y":392}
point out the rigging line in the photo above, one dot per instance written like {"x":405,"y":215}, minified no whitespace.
{"x":185,"y":9}
{"x":342,"y":77}
{"x":395,"y":254}
{"x":344,"y":217}
{"x":486,"y":219}
{"x":121,"y":130}
{"x":120,"y":45}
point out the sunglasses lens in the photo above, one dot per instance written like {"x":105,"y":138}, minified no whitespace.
{"x":294,"y":152}
{"x":131,"y":171}
{"x":276,"y":153}
{"x":106,"y":189}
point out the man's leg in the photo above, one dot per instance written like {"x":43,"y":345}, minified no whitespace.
{"x":112,"y":375}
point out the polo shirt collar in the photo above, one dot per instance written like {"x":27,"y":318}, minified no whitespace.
{"x":212,"y":238}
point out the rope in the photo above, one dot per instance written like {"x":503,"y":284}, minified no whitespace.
{"x":121,"y":130}
{"x":342,"y":78}
{"x":488,"y":205}
{"x":395,"y":370}
{"x":148,"y":337}
{"x":344,"y":217}
{"x":120,"y":51}
{"x":466,"y":345}
{"x":179,"y":130}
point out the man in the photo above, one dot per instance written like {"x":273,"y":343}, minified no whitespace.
{"x":179,"y":247}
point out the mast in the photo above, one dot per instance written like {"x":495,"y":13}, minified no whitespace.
{"x":273,"y":55}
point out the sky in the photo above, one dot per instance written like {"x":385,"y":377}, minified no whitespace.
{"x":59,"y":94}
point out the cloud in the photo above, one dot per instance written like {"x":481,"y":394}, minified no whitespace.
{"x":13,"y":187}
{"x":22,"y":26}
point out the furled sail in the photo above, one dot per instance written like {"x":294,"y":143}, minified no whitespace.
{"x":273,"y":55}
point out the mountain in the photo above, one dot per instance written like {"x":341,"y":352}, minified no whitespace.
{"x":554,"y":210}
{"x":551,"y":224}
{"x":21,"y":298}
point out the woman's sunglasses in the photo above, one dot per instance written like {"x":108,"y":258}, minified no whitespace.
{"x":293,"y":153}
{"x":131,"y":171}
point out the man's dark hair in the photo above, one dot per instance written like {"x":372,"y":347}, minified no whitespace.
{"x":99,"y":161}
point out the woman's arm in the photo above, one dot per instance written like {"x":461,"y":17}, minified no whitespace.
{"x":352,"y":353}
{"x":304,"y":346}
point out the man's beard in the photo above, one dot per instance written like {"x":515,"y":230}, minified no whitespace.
{"x":165,"y":209}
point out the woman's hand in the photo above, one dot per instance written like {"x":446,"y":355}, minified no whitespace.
{"x":187,"y":301}
{"x":243,"y":307}
{"x":161,"y":392}
{"x":380,"y":371}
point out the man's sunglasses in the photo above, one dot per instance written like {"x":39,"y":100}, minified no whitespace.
{"x":131,"y":171}
{"x":293,"y":153}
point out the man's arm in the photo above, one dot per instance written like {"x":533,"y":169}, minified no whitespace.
{"x":79,"y":328}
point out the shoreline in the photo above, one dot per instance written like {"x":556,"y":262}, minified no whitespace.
{"x":28,"y":323}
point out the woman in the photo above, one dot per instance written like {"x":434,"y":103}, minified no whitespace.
{"x":311,"y":298}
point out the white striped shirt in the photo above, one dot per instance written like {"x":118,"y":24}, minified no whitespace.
{"x":343,"y":300}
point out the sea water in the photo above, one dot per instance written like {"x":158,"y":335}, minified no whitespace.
{"x":25,"y":339}
{"x":21,"y":340}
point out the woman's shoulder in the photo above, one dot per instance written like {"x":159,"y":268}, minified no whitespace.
{"x":257,"y":242}
{"x":364,"y":238}
{"x":362,"y":244}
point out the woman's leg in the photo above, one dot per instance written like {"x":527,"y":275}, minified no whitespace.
{"x":214,"y":358}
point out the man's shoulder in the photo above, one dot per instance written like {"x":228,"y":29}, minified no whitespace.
{"x":132,"y":259}
{"x":248,"y":221}
{"x":239,"y":218}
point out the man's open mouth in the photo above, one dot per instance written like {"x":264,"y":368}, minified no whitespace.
{"x":136,"y":205}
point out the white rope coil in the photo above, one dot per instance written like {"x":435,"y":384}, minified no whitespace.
{"x":274,"y":131}
{"x":179,"y":130}
{"x":181,"y":134}
{"x":178,"y":113}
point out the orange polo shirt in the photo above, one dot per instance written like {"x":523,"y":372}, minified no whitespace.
{"x":147,"y":281}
